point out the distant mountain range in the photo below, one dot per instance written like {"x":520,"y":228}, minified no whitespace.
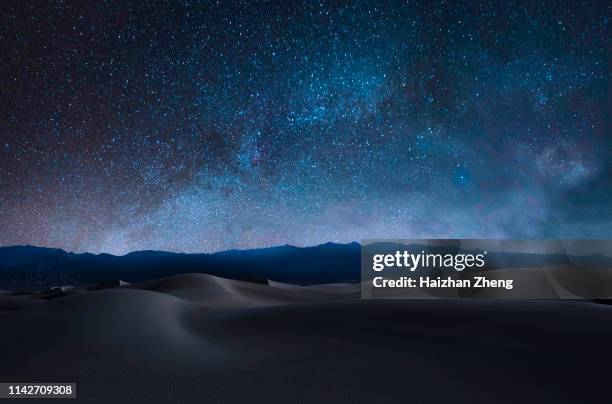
{"x":34,"y":267}
{"x":29,"y":266}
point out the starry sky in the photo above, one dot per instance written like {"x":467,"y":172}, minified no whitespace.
{"x":203,"y":126}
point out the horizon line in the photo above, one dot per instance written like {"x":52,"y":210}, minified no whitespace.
{"x":173,"y":252}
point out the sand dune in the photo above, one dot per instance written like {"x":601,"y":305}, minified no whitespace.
{"x":200,"y":338}
{"x":9,"y":303}
{"x":220,"y":293}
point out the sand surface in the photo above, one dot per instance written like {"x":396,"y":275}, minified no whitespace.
{"x":203,"y":339}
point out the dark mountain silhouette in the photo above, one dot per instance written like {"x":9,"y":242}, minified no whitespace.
{"x":28,"y":266}
{"x":37,"y":267}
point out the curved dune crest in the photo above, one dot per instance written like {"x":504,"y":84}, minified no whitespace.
{"x":221,"y":293}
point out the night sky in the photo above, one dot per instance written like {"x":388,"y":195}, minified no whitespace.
{"x":204,"y":126}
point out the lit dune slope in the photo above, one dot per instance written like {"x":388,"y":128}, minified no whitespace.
{"x":199,"y":338}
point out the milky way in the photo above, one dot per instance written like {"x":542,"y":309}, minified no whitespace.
{"x":203,"y":126}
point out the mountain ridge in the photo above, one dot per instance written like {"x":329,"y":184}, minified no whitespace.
{"x":31,"y":266}
{"x":24,"y":266}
